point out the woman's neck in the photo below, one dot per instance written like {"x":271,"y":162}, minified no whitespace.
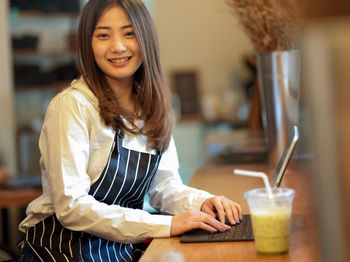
{"x":123,"y":91}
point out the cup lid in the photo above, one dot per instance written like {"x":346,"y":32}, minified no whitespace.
{"x":276,"y":192}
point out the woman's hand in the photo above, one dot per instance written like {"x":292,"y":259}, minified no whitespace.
{"x":193,"y":219}
{"x":223,"y":206}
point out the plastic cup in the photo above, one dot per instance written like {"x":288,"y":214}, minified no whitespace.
{"x":271,"y":219}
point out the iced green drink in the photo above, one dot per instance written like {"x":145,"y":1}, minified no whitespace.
{"x":271,"y":231}
{"x":271,"y":219}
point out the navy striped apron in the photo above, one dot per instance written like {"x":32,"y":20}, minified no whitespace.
{"x":124,"y":181}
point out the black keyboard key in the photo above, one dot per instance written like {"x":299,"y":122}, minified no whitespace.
{"x":239,"y":232}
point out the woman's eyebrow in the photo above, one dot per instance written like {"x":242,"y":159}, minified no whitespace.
{"x":108,"y":27}
{"x":126,"y":26}
{"x":102,"y":27}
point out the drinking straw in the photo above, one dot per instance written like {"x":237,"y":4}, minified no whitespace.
{"x":256,"y":174}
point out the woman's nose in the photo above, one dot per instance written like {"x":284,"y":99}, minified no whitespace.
{"x":118,"y":45}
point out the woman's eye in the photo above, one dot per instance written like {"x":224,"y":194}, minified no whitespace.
{"x":130,"y":34}
{"x":102,"y":36}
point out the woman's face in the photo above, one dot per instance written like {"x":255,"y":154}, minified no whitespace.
{"x":114,"y":45}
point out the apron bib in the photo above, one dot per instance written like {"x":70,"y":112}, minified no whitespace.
{"x":124,"y":181}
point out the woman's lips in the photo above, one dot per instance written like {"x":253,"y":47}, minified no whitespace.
{"x":122,"y":61}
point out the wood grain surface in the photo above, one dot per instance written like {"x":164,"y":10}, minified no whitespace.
{"x":220,"y":180}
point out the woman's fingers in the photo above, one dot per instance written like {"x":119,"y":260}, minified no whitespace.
{"x":217,"y":203}
{"x":193,"y":219}
{"x":235,"y":211}
{"x":209,"y":211}
{"x":223,"y":206}
{"x":239,"y":210}
{"x":230,"y":212}
{"x":208,"y":220}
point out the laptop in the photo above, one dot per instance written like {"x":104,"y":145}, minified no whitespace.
{"x":244,"y":230}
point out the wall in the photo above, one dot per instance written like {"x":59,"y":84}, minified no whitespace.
{"x":201,"y":35}
{"x":326,"y":69}
{"x":197,"y":34}
{"x":7,"y":126}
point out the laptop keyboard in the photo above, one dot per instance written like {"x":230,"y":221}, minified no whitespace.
{"x":241,"y":232}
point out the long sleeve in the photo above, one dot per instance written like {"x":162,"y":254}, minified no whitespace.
{"x":75,"y":146}
{"x":67,"y":152}
{"x":168,"y":193}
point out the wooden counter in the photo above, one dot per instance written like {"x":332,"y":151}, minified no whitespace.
{"x":9,"y":198}
{"x":18,"y":197}
{"x":220,"y":180}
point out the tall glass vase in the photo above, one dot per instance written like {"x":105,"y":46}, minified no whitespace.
{"x":279,"y":83}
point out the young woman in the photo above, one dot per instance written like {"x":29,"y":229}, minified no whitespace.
{"x":105,"y":143}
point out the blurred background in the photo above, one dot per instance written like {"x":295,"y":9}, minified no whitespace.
{"x":210,"y":68}
{"x":208,"y":62}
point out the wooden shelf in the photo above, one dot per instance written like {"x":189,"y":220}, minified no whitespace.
{"x":40,"y":14}
{"x":59,"y":85}
{"x":34,"y":52}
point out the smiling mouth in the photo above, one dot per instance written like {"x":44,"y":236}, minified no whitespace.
{"x":119,"y":60}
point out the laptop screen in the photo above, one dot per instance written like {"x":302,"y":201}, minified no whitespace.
{"x":286,"y":155}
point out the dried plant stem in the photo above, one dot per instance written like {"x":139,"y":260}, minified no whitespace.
{"x":268,"y":23}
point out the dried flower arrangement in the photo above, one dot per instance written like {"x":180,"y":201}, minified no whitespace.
{"x":270,"y":24}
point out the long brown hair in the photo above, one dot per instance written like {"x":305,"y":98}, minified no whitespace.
{"x":153,"y":96}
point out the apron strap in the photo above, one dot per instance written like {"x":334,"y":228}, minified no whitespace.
{"x":118,"y":139}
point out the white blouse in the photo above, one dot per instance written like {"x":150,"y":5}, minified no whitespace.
{"x":74,"y":145}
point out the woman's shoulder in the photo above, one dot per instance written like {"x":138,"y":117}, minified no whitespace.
{"x":78,"y":93}
{"x":75,"y":103}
